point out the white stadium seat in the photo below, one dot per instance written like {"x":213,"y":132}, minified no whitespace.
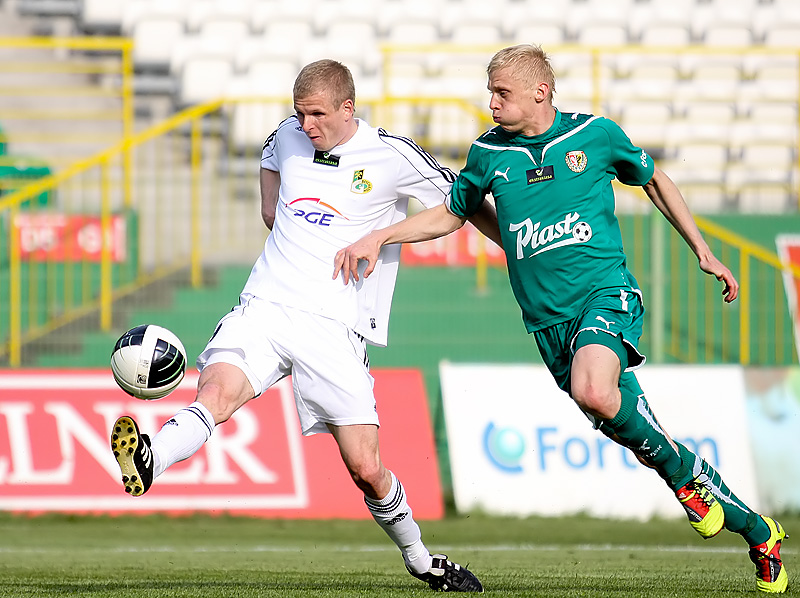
{"x":154,"y":40}
{"x":102,"y":15}
{"x":204,"y":12}
{"x":203,"y":79}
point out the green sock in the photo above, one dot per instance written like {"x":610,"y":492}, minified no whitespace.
{"x":739,"y":518}
{"x":637,"y":428}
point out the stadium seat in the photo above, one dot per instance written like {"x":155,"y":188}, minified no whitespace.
{"x":762,"y":177}
{"x":353,"y":42}
{"x":137,"y":10}
{"x":665,"y":34}
{"x":463,"y":77}
{"x":196,"y":46}
{"x":544,"y":34}
{"x":727,"y":35}
{"x":271,"y":77}
{"x":203,"y":79}
{"x":603,"y":34}
{"x":476,"y":33}
{"x":451,"y":129}
{"x":154,"y":40}
{"x":774,"y":123}
{"x":699,"y":171}
{"x":412,"y":31}
{"x":782,"y":35}
{"x":203,"y":13}
{"x":774,"y":79}
{"x":646,"y":123}
{"x":407,"y":77}
{"x":101,"y":16}
{"x":230,"y":30}
{"x":702,"y":122}
{"x":330,"y":12}
{"x":252,"y":120}
{"x":260,"y":47}
{"x":648,"y":78}
{"x":711,"y":79}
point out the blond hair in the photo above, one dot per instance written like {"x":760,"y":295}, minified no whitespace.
{"x":528,"y":63}
{"x":329,"y":77}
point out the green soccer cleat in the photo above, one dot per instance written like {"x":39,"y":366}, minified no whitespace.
{"x":770,"y":572}
{"x":705,"y":513}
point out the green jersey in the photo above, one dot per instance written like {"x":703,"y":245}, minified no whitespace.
{"x":555,"y":206}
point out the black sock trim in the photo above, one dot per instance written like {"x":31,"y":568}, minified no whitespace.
{"x":195,"y":411}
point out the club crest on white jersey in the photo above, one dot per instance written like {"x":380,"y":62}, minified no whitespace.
{"x":360,"y":185}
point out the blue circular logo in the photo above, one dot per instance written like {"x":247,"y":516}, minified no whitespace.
{"x":504,"y":447}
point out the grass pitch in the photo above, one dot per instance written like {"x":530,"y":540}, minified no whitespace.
{"x":232,"y":557}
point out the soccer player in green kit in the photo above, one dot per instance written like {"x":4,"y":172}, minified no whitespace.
{"x":550,"y":174}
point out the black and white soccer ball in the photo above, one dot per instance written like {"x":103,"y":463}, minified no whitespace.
{"x":582,"y":232}
{"x":148,"y":362}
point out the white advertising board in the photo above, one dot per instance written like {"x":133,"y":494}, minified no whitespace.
{"x":520,"y":446}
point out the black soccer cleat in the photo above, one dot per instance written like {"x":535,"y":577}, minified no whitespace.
{"x":446,"y":576}
{"x":133,"y":454}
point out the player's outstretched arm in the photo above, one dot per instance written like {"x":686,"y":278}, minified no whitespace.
{"x":423,"y":226}
{"x":270,"y":182}
{"x":668,"y":199}
{"x":485,"y":220}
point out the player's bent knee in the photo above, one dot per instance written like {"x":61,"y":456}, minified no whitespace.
{"x":368,"y":475}
{"x":596,"y":400}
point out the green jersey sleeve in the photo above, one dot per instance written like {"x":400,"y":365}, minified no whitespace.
{"x":468,"y":191}
{"x":630,"y":164}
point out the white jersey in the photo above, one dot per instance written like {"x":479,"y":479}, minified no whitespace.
{"x":329,"y":200}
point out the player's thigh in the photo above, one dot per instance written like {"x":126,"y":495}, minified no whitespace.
{"x":246,"y":340}
{"x":617,"y":325}
{"x":594,"y":373}
{"x":330,"y":375}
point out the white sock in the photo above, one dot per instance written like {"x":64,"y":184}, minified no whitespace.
{"x":181,"y":437}
{"x":394,"y":516}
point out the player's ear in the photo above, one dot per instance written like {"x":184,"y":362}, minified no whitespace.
{"x":349,"y":108}
{"x":542,"y":92}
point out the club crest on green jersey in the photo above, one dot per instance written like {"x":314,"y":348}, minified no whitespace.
{"x":576,"y":161}
{"x":360,"y":185}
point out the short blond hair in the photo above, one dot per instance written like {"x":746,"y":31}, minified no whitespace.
{"x":325,"y":76}
{"x":528,"y":63}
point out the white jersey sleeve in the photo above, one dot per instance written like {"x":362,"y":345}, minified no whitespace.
{"x":328,"y":200}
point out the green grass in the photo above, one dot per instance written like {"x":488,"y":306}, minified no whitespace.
{"x":203,"y":556}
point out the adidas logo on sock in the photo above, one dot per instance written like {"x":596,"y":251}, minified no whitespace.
{"x":397,"y":519}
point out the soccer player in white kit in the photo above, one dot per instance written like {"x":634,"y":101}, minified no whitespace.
{"x":327,"y":179}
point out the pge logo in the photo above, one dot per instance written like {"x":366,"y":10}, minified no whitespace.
{"x":315,"y":216}
{"x":504,"y":448}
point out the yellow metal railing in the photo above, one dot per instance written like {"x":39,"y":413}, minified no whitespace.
{"x":53,"y":271}
{"x":64,"y":98}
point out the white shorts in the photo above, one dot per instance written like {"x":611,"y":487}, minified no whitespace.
{"x":327,"y":361}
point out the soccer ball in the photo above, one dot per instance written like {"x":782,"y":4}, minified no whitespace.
{"x":582,"y":232}
{"x":148,"y":362}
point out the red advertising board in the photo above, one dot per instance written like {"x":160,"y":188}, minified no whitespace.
{"x":68,"y":238}
{"x":460,"y":248}
{"x":789,"y":251}
{"x":55,"y":455}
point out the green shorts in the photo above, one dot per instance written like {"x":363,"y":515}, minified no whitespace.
{"x":612,"y":319}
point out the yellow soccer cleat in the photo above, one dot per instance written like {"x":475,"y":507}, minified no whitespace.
{"x":770,"y":572}
{"x":705,"y":513}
